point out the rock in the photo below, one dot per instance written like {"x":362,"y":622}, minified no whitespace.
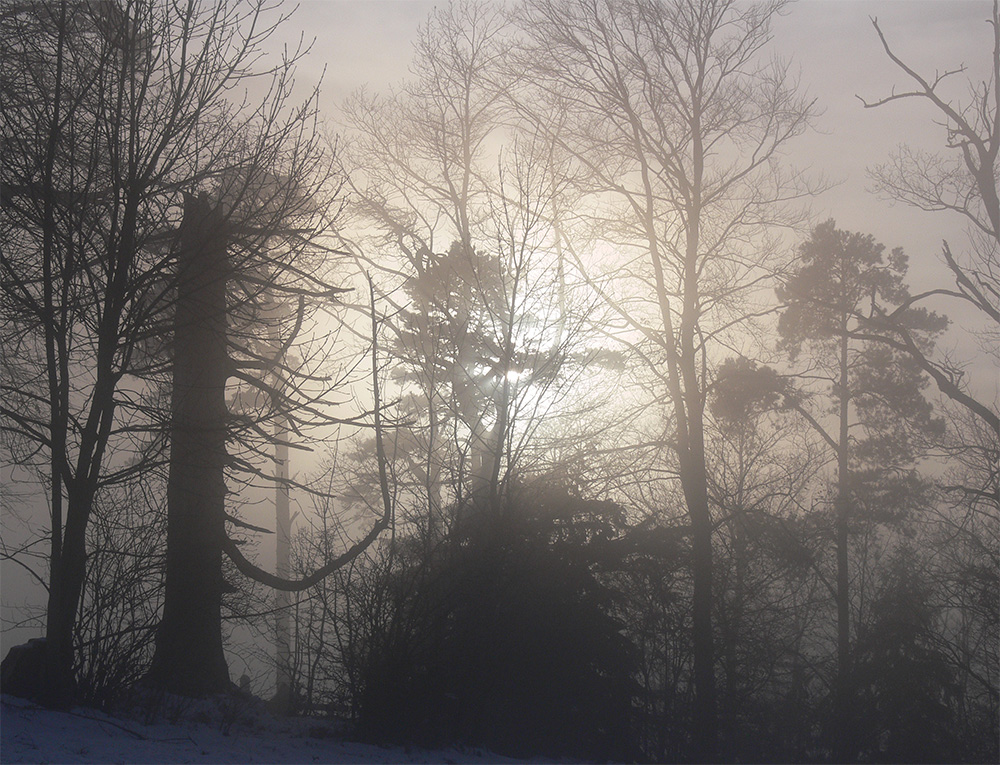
{"x":22,"y":671}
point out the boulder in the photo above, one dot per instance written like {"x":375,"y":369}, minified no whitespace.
{"x":22,"y":671}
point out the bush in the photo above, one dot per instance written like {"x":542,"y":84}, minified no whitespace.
{"x":501,"y":637}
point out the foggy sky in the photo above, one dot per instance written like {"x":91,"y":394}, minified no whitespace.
{"x":831,"y":43}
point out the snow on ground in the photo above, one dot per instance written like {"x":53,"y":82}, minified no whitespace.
{"x":213,"y":731}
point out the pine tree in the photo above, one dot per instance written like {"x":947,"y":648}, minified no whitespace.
{"x":865,"y":386}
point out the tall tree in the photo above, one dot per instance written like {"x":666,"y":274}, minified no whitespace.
{"x":236,"y":260}
{"x":485,"y":328}
{"x":414,"y":162}
{"x":189,"y":655}
{"x":671,"y":112}
{"x":873,"y":389}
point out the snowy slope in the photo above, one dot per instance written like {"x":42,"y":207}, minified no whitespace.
{"x":31,"y":734}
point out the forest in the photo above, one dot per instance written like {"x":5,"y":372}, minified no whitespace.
{"x":525,"y":404}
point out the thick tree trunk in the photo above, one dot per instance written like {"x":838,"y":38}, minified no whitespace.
{"x":65,"y":587}
{"x":189,"y":656}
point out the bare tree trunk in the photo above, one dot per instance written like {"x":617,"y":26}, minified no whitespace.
{"x":65,"y":587}
{"x":687,"y":400}
{"x":282,"y":599}
{"x":843,"y":749}
{"x":189,"y":656}
{"x":61,"y":610}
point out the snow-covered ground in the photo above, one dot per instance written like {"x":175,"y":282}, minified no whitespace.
{"x":212,"y":731}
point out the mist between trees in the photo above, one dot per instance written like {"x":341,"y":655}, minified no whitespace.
{"x":614,"y":451}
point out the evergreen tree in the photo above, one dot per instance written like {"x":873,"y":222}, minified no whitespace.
{"x":871,"y":394}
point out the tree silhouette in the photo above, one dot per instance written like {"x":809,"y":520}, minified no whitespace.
{"x":962,"y":181}
{"x":504,"y":636}
{"x":120,"y":130}
{"x":487,"y":333}
{"x":870,"y":387}
{"x":670,"y":113}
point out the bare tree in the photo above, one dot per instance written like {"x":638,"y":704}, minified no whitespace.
{"x":962,"y":181}
{"x":76,"y":285}
{"x":419,"y":153}
{"x":671,"y":114}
